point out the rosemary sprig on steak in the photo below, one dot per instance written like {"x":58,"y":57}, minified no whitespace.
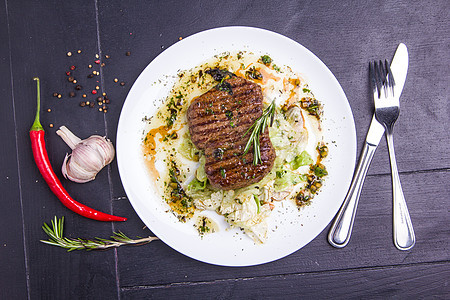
{"x":258,"y":128}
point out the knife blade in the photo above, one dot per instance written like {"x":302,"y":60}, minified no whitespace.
{"x":340,"y":231}
{"x":399,"y":68}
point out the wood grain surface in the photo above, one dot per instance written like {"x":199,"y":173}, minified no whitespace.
{"x":35,"y":37}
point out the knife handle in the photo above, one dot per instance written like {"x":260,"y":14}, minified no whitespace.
{"x":341,"y":229}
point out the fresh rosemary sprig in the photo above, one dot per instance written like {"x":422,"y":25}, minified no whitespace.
{"x":258,"y":128}
{"x":57,"y":239}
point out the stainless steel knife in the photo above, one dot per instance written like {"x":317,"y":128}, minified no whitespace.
{"x":341,"y":229}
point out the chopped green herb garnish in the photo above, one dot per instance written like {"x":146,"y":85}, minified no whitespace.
{"x":223,"y":173}
{"x":253,"y":73}
{"x":229,"y":114}
{"x":319,"y":170}
{"x":265,"y":59}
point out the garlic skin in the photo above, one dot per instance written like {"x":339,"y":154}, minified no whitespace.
{"x":88,"y":156}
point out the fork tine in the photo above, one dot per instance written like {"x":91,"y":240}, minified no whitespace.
{"x":390,"y":77}
{"x":378,"y":77}
{"x":373,"y":81}
{"x":384,"y":79}
{"x":382,"y":72}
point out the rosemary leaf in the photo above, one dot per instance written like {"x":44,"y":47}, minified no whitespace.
{"x":117,"y":239}
{"x":257,"y":129}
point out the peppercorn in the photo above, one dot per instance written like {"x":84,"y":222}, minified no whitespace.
{"x":94,"y":92}
{"x":72,"y":94}
{"x":99,"y":99}
{"x":122,"y":83}
{"x":82,"y":103}
{"x":128,"y":53}
{"x":72,"y":68}
{"x":92,"y":104}
{"x":70,"y":79}
{"x":90,"y":76}
{"x":78,"y":87}
{"x":103,"y":64}
{"x":107,"y":101}
{"x":55,"y":94}
{"x":68,"y":73}
{"x":97,"y":61}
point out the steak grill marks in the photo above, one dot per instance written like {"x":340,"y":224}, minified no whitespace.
{"x":217,"y":123}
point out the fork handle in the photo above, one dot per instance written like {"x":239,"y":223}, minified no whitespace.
{"x":341,"y":229}
{"x":404,"y":238}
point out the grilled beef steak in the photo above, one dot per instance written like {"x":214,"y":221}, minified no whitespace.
{"x":217,"y":123}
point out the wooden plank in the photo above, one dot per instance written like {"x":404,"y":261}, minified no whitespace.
{"x":370,"y":246}
{"x":417,"y":281}
{"x":41,"y":34}
{"x":13,"y":271}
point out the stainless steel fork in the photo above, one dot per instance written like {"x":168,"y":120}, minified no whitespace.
{"x":387,"y":109}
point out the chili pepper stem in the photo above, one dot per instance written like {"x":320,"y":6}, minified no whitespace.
{"x":37,"y":124}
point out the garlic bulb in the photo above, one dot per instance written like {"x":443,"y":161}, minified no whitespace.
{"x":88,"y":156}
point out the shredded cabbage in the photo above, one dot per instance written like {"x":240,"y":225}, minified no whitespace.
{"x":200,"y":174}
{"x":286,"y":178}
{"x":303,"y":159}
{"x":187,"y":148}
{"x":196,"y":185}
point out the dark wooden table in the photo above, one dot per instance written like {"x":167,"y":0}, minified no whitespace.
{"x":345,"y":35}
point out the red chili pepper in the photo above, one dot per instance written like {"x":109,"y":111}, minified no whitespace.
{"x":44,"y":166}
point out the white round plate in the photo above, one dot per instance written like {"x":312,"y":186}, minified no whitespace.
{"x":290,"y":229}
